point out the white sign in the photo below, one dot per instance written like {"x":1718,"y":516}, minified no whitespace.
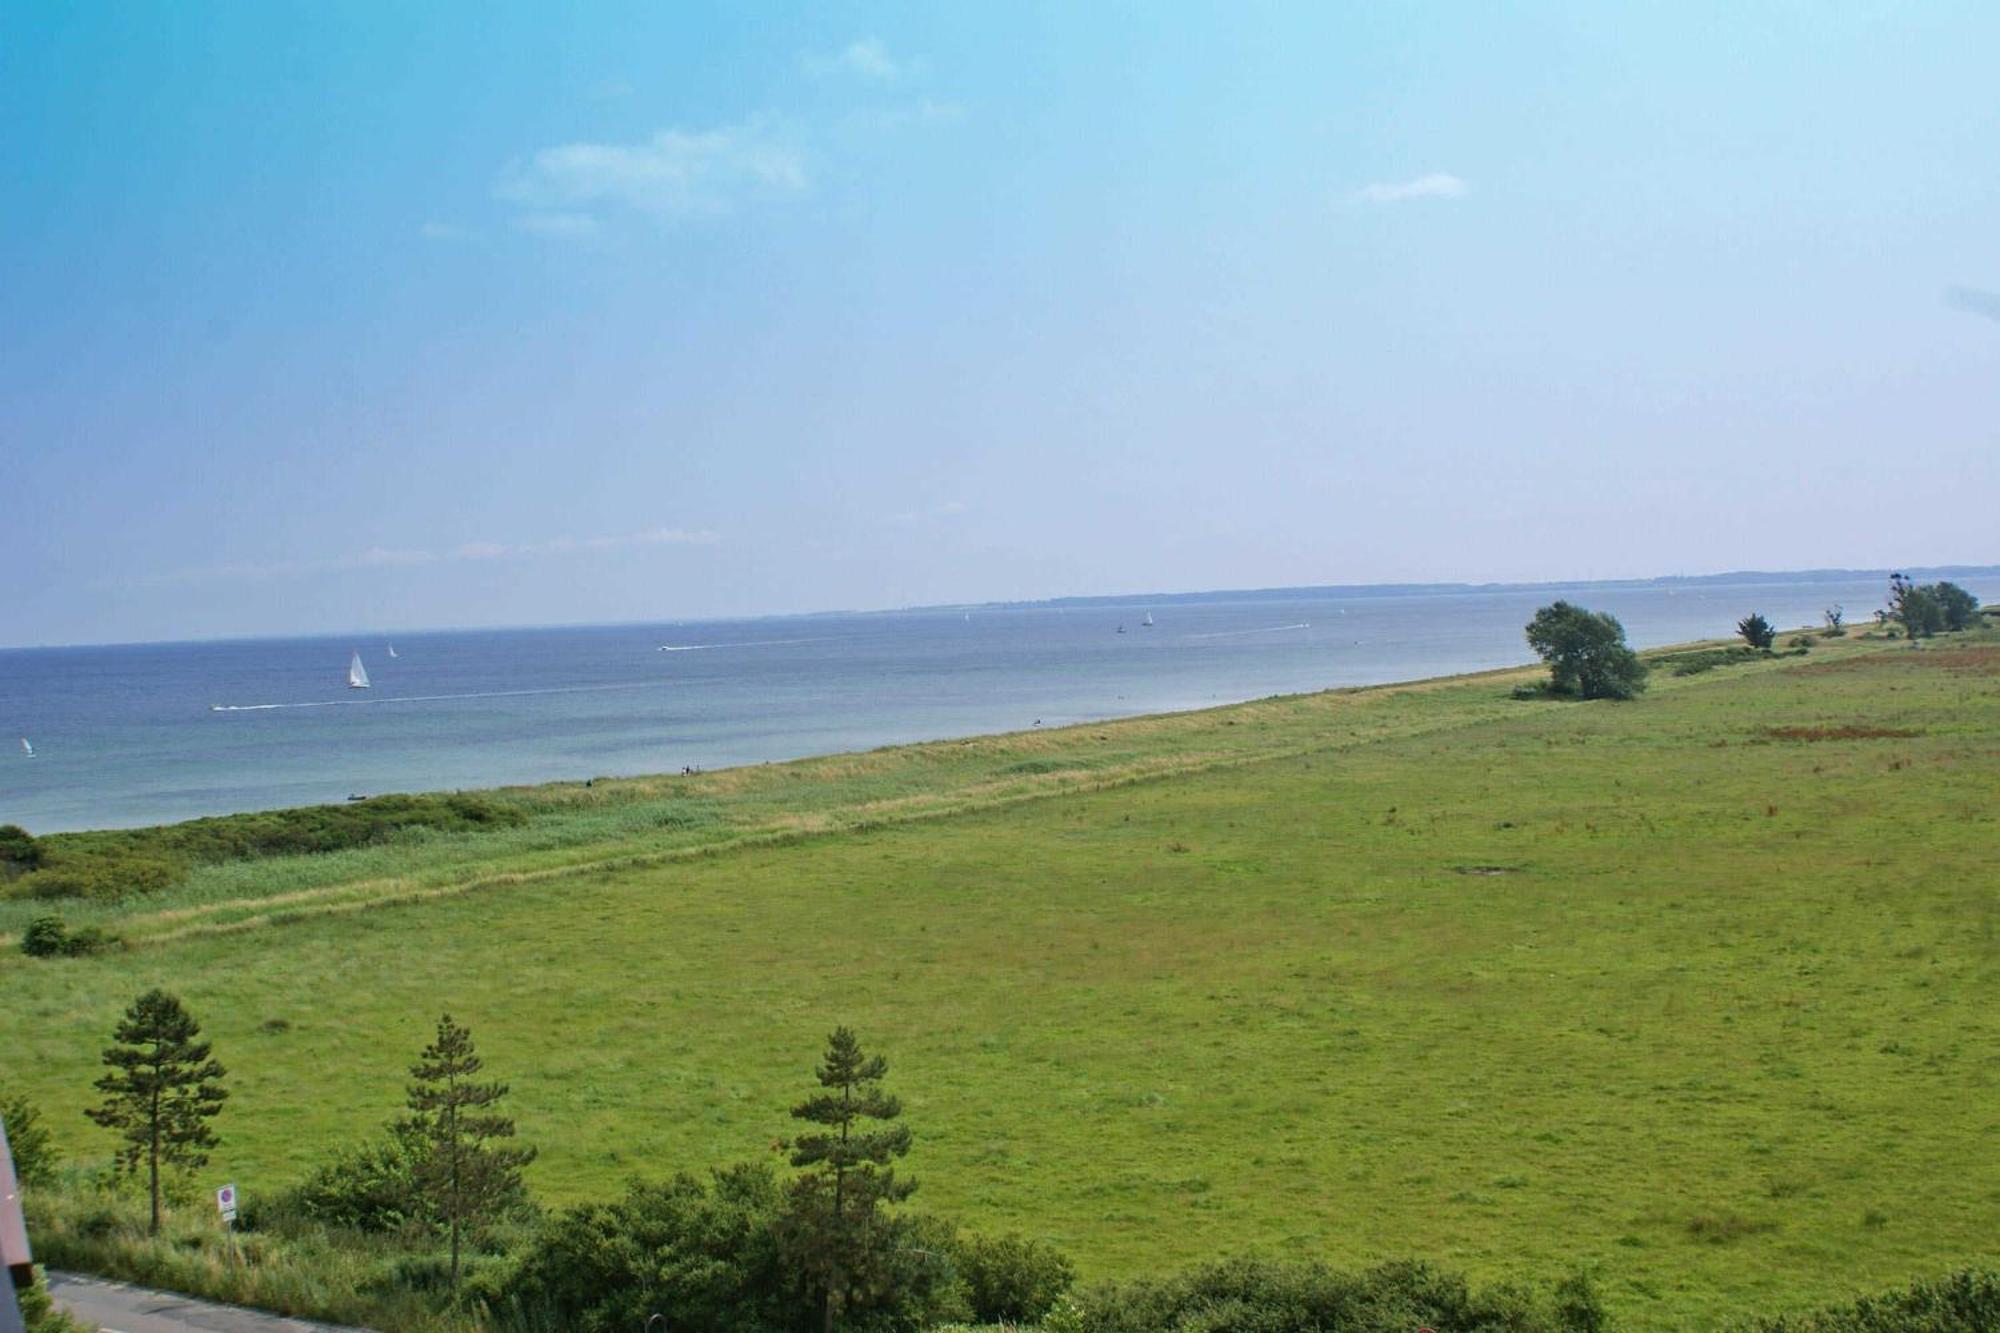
{"x":225,"y":1202}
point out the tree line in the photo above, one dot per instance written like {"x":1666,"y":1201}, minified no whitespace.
{"x":1588,"y":657}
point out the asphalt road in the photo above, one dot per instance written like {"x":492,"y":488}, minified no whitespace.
{"x":116,"y":1307}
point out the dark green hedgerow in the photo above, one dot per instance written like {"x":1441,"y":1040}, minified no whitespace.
{"x":118,"y":863}
{"x":1967,"y":1301}
{"x":1280,"y":1296}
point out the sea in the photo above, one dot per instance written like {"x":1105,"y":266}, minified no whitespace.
{"x":138,"y":734}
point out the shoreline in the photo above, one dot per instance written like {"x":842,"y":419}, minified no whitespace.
{"x":536,"y":793}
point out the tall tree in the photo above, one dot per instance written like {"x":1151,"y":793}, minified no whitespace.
{"x":1586,"y":652}
{"x":162,"y":1091}
{"x":467,"y":1177}
{"x":837,"y":1233}
{"x":1915,"y":608}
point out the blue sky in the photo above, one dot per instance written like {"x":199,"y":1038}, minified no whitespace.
{"x":322,"y":317}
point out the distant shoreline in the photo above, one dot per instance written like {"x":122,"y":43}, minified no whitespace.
{"x":1732,"y":578}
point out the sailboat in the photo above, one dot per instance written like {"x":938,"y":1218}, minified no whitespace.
{"x":1147,"y":623}
{"x":357,"y":675}
{"x":26,"y":748}
{"x":392,"y":650}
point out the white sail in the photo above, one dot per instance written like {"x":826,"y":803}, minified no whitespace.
{"x":1147,"y":623}
{"x":26,"y":748}
{"x":392,"y":650}
{"x":357,"y":675}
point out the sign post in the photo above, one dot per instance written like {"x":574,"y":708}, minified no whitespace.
{"x":225,"y":1203}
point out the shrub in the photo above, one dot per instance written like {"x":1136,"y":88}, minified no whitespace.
{"x":113,"y":863}
{"x":1757,"y":631}
{"x":1955,"y":605}
{"x":1011,"y":1279}
{"x":370,"y":1188}
{"x":1800,"y":642}
{"x":45,"y":937}
{"x":373,"y":1187}
{"x":34,"y":1153}
{"x":702,"y":1254}
{"x":1968,"y":1300}
{"x":1279,"y":1296}
{"x":38,"y":1309}
{"x":19,"y":852}
{"x":1707,"y":659}
{"x":102,"y":877}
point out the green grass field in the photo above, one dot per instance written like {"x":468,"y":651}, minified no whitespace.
{"x":1701,"y":992}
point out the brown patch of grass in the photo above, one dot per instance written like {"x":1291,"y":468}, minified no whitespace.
{"x":1852,"y":731}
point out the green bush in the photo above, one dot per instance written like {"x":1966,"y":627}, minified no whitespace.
{"x":38,"y":1310}
{"x":703,"y":1254}
{"x":101,"y":877}
{"x":370,"y":1188}
{"x":19,"y":852}
{"x":708,"y":1254}
{"x":1757,"y":631}
{"x":1967,"y":1301}
{"x":1011,"y":1279}
{"x":1302,"y":1296}
{"x":33,"y":1151}
{"x":119,"y":863}
{"x":47,"y":937}
{"x":1956,"y":607}
{"x":1707,"y":659}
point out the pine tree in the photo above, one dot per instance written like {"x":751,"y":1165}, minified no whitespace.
{"x":464,"y":1175}
{"x":838,"y":1236}
{"x":1757,"y":631}
{"x":161,"y":1092}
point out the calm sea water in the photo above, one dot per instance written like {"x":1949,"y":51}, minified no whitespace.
{"x":127,"y":735}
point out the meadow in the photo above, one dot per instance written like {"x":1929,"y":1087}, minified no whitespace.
{"x":1700,"y":993}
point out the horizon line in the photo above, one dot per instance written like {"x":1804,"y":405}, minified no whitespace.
{"x":1064,"y":599}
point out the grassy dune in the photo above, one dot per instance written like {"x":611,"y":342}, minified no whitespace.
{"x":1702,"y":992}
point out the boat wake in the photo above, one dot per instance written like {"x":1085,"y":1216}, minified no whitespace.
{"x":1235,"y":633}
{"x":438,"y":698}
{"x":750,"y":643}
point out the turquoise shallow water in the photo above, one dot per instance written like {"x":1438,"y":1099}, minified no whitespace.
{"x":128,"y":735}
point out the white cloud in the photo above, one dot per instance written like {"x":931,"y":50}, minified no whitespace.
{"x":675,"y":173}
{"x":1973,"y":301}
{"x":865,"y":58}
{"x":1436,"y":185}
{"x":380,"y":557}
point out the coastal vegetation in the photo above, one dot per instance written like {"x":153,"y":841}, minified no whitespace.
{"x":1756,"y":631}
{"x":1586,"y":652}
{"x":121,"y":863}
{"x":1642,"y":992}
